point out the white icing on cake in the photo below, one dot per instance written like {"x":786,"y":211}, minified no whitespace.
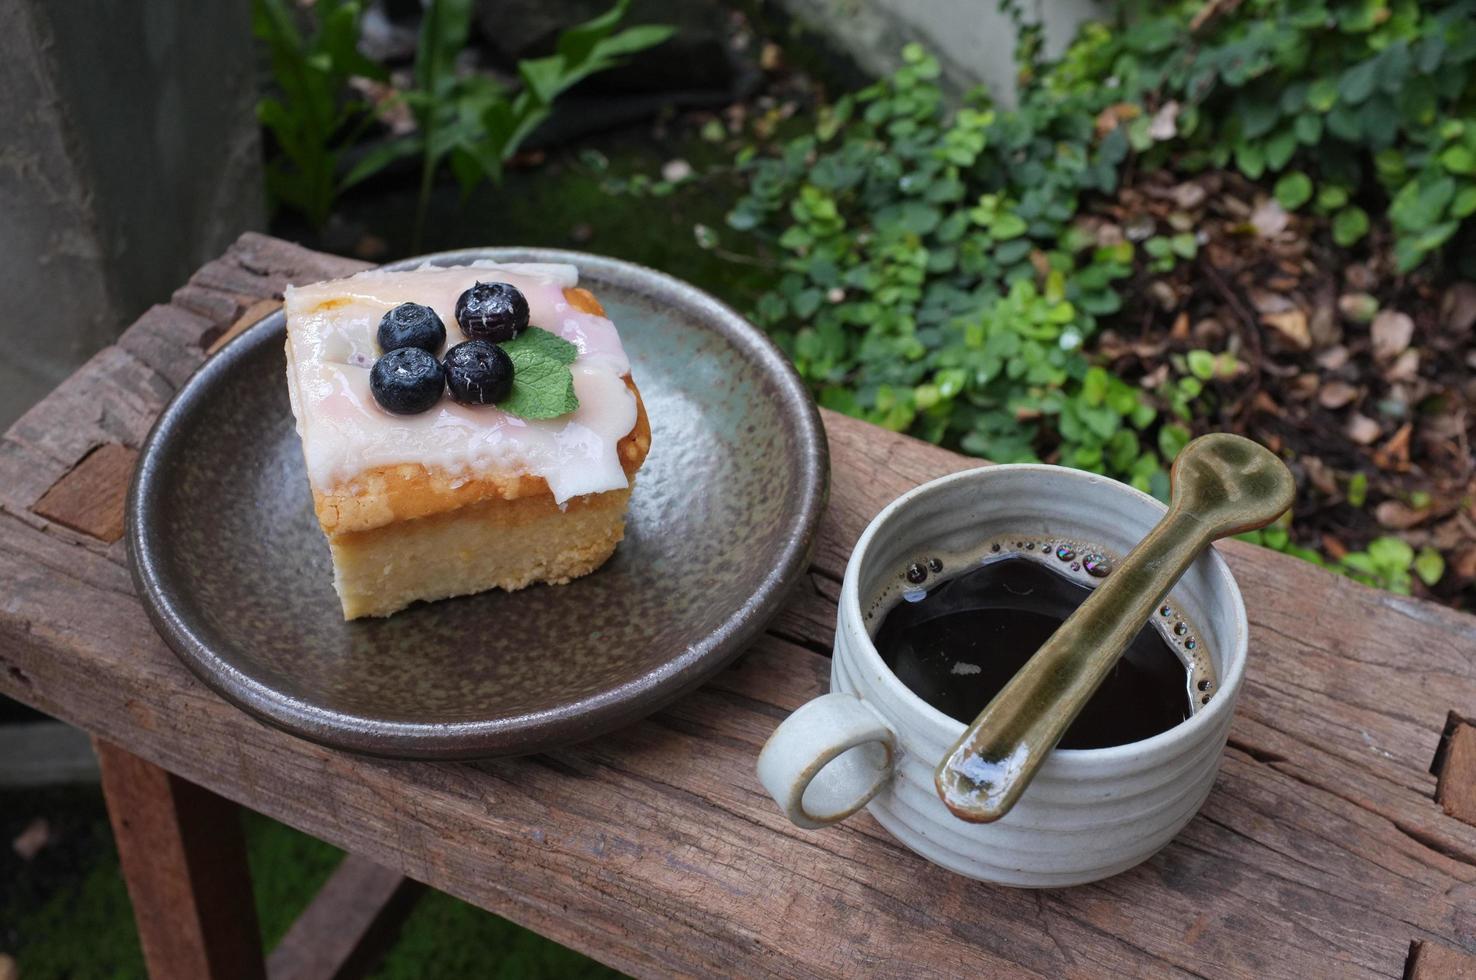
{"x":331,"y":346}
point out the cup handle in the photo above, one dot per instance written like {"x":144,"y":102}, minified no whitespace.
{"x":827,"y":760}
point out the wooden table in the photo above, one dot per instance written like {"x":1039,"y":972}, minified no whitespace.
{"x":1335,"y":843}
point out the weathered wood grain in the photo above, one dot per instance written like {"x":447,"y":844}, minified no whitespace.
{"x":170,"y":341}
{"x":90,"y":497}
{"x":254,"y":268}
{"x":1322,"y":850}
{"x":1430,"y":961}
{"x":350,"y":924}
{"x":1456,"y":789}
{"x":184,"y":859}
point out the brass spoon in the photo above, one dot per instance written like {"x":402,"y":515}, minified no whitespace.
{"x":1222,"y":485}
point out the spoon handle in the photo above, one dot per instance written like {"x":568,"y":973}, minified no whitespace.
{"x":982,"y":777}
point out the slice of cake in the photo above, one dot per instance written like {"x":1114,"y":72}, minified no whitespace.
{"x":464,"y":428}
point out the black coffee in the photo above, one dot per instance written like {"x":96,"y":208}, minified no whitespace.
{"x":958,"y":645}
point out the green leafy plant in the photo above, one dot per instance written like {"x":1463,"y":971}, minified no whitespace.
{"x":466,"y":121}
{"x":475,"y":123}
{"x":311,"y":118}
{"x":1341,"y":105}
{"x":1387,"y":563}
{"x":939,"y":274}
{"x":934,"y":280}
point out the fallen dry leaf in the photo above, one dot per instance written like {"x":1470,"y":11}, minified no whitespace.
{"x":1332,"y":358}
{"x":1463,"y":563}
{"x":1139,"y":227}
{"x":1362,"y":429}
{"x":1188,"y":195}
{"x":1324,"y":326}
{"x":1336,"y":394}
{"x":29,"y":842}
{"x":1398,"y":516}
{"x":1394,"y":454}
{"x":1454,"y":532}
{"x":1219,"y":256}
{"x":1458,"y":307}
{"x":1162,"y":126}
{"x":1444,"y":426}
{"x":1291,"y":325}
{"x":1358,"y":307}
{"x":1305,"y":385}
{"x":1109,"y":234}
{"x":1154,"y":379}
{"x":1334,"y":548}
{"x":1405,"y":368}
{"x":1164,"y":294}
{"x":1180,"y":329}
{"x":1209,"y":333}
{"x":1112,"y":116}
{"x":1269,"y":219}
{"x":1276,"y":369}
{"x":1211,"y":10}
{"x":1360,"y":278}
{"x":1320,"y":475}
{"x":1268,"y":301}
{"x":1391,"y":332}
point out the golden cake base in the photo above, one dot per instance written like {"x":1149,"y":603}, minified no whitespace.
{"x":503,"y":544}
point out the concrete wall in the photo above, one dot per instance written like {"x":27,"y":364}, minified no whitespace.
{"x":973,"y":41}
{"x":129,"y":155}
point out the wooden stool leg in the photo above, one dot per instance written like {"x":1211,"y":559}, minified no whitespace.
{"x":184,"y":860}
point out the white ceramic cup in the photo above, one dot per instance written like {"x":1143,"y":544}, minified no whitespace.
{"x":872,"y":742}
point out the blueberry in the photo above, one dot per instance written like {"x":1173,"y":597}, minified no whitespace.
{"x":493,"y":311}
{"x":479,"y":373}
{"x":407,"y":381}
{"x":411,"y":325}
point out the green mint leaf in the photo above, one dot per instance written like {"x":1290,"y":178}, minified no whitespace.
{"x":539,"y":342}
{"x":543,"y":386}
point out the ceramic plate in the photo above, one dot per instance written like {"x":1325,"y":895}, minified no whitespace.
{"x":233,"y":569}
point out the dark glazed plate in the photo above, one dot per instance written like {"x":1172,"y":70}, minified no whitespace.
{"x":231,"y":565}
